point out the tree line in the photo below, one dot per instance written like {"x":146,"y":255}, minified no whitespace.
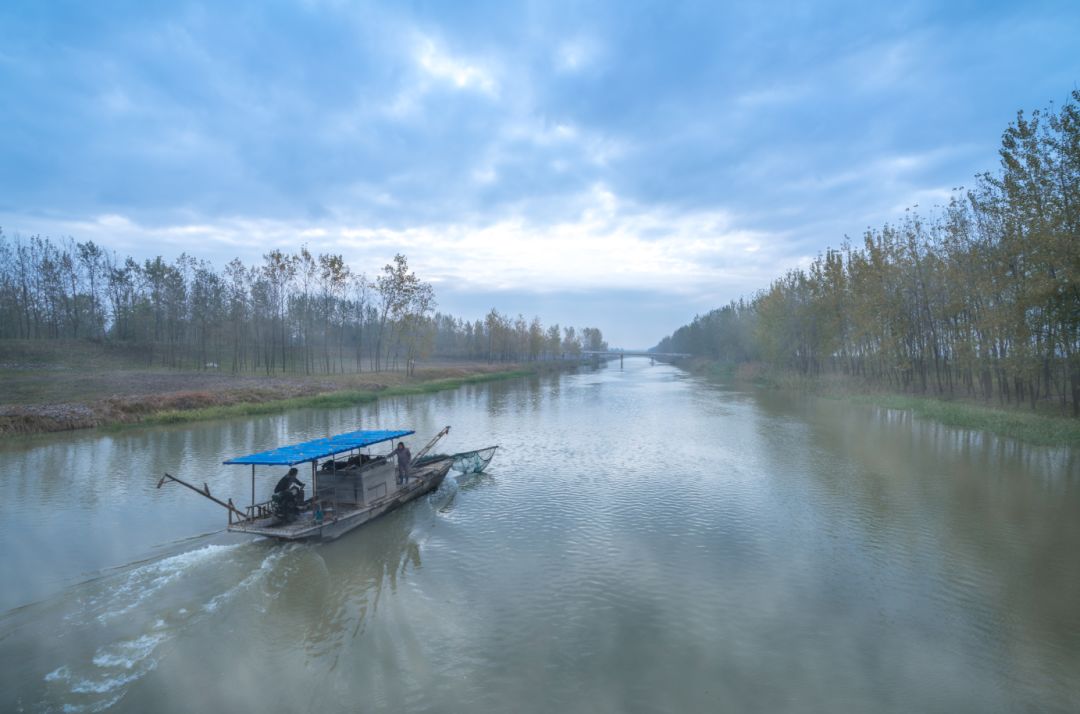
{"x":301,"y":313}
{"x":980,"y":299}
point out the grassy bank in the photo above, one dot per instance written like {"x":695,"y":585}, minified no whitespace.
{"x":332,"y":400}
{"x":59,"y":386}
{"x":1043,"y":429}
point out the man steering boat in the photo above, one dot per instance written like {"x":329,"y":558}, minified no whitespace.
{"x":288,"y":496}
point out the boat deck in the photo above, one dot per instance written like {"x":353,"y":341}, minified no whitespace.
{"x":342,"y":517}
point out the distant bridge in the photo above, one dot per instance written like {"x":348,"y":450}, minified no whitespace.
{"x":634,"y":353}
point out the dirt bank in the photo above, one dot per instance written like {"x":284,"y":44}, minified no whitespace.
{"x":47,"y":400}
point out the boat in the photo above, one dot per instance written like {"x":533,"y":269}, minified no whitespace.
{"x":345,"y":492}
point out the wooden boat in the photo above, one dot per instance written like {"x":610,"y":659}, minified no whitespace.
{"x":345,"y":492}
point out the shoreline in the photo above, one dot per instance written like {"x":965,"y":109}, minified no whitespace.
{"x":1017,"y":423}
{"x":249,"y":396}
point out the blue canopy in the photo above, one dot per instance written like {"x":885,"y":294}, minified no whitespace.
{"x":319,"y":448}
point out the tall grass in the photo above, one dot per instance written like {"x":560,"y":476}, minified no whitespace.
{"x":330,"y":400}
{"x":1018,"y":423}
{"x":1032,"y":427}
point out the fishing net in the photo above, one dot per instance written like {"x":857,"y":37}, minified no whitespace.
{"x":473,"y":462}
{"x":467,"y":462}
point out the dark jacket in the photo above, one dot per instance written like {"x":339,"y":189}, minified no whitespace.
{"x":404,"y":459}
{"x":286,"y":481}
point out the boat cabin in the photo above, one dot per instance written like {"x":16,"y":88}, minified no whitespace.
{"x":361,"y":478}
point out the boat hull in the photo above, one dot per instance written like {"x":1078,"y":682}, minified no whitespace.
{"x":334,"y":525}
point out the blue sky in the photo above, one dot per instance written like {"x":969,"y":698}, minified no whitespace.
{"x":614,"y":164}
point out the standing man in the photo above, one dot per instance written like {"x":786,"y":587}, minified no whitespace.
{"x":404,"y":461}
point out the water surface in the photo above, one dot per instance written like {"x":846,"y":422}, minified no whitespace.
{"x":644,"y":541}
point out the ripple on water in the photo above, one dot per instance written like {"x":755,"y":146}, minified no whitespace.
{"x":118,"y":625}
{"x":641,"y":542}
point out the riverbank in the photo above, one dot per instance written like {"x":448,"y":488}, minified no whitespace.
{"x":1020,"y":423}
{"x":63,"y":396}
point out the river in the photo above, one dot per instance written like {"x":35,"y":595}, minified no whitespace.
{"x":644,"y":541}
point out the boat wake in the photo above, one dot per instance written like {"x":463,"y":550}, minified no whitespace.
{"x":120,"y":626}
{"x":147,"y":581}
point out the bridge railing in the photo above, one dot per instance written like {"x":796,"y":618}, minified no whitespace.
{"x":633,"y":353}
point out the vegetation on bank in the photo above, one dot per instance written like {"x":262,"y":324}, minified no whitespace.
{"x":233,"y":397}
{"x":331,"y":400}
{"x":1017,"y":422}
{"x":978,"y":302}
{"x":296,"y":313}
{"x":89,"y":338}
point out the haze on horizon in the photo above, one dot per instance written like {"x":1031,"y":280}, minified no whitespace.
{"x":619,"y":165}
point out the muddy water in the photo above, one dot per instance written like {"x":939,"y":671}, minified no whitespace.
{"x":642,"y":542}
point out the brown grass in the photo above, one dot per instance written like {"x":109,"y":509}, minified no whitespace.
{"x":46,"y":392}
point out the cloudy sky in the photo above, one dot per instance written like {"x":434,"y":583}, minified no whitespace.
{"x":616,"y":164}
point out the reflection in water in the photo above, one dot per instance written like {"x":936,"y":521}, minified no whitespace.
{"x":957,"y":526}
{"x":216,"y":609}
{"x":642,"y":542}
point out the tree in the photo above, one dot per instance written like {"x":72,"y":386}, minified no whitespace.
{"x":279,"y":270}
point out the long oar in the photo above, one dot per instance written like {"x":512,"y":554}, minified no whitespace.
{"x":205,"y":492}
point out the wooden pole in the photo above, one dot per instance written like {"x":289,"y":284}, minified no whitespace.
{"x":205,"y":492}
{"x":431,"y":443}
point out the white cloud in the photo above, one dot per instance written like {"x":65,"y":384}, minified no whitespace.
{"x":924,"y":199}
{"x":439,"y":68}
{"x":887,"y":65}
{"x":457,"y":71}
{"x":891,"y":171}
{"x":575,"y":55}
{"x":485,"y":174}
{"x":611,"y":244}
{"x":568,"y":146}
{"x":110,"y":221}
{"x":542,"y":134}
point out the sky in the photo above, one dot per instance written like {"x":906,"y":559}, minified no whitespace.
{"x":613,"y":164}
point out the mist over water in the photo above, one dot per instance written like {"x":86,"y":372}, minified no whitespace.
{"x":643,"y":541}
